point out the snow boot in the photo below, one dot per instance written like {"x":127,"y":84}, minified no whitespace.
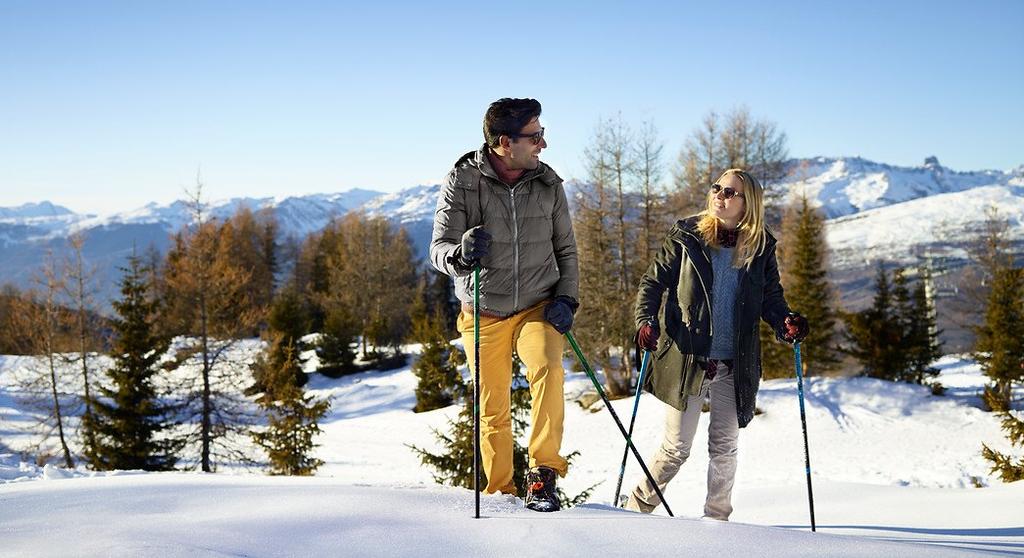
{"x":540,"y":490}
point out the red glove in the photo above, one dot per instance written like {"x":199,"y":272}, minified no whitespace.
{"x":647,"y":337}
{"x":795,"y":328}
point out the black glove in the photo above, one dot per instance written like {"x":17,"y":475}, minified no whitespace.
{"x":794,"y":329}
{"x":559,"y":313}
{"x":476,"y":243}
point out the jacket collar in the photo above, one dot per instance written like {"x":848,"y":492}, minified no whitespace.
{"x":693,"y":242}
{"x":688,"y":227}
{"x":546,"y":174}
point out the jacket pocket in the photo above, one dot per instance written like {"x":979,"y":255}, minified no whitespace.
{"x":666,"y":344}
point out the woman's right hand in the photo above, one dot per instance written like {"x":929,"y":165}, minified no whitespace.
{"x":647,"y":337}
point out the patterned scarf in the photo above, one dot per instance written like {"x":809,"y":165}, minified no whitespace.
{"x":727,"y":238}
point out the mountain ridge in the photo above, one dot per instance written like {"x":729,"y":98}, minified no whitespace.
{"x":875,"y":211}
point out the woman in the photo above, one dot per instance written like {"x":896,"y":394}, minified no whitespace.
{"x":720,"y":271}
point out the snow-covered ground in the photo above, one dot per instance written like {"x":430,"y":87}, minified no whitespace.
{"x":894,"y":472}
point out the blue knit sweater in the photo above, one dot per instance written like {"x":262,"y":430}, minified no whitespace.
{"x":723,"y":302}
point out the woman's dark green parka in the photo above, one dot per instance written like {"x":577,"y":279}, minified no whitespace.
{"x":682,"y":275}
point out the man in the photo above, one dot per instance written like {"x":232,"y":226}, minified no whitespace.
{"x":505,"y":211}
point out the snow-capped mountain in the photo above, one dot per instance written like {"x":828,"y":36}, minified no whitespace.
{"x":33,"y":211}
{"x":904,"y":215}
{"x":876,"y":211}
{"x":296,"y":215}
{"x":848,"y":185}
{"x":29,"y":232}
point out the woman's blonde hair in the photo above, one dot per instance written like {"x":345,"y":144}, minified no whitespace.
{"x":752,"y":238}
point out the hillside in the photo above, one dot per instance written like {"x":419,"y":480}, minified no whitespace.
{"x":892,"y":464}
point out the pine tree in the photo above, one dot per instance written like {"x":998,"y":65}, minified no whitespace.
{"x":291,"y":415}
{"x":439,"y":379}
{"x":875,"y":333}
{"x":440,"y":382}
{"x":804,"y":275}
{"x":896,"y":338}
{"x":440,"y":296}
{"x":336,"y":345}
{"x":999,"y":347}
{"x":923,"y":346}
{"x":1008,"y":469}
{"x":902,"y":321}
{"x":289,"y":316}
{"x":454,"y":465}
{"x":129,"y":418}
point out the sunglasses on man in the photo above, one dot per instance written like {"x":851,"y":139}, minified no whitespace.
{"x":535,"y":138}
{"x":727,"y":191}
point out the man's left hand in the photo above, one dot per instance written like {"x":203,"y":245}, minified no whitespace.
{"x":559,"y":313}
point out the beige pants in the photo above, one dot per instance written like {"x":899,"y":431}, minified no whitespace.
{"x":540,"y":347}
{"x":680,"y":427}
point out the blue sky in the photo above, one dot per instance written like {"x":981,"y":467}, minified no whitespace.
{"x":107,"y":106}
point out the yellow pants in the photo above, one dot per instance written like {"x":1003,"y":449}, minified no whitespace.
{"x":539,"y":346}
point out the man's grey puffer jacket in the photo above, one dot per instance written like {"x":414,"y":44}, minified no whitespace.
{"x":533,"y":249}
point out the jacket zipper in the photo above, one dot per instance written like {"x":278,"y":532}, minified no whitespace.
{"x":515,"y":251}
{"x":707,"y":296}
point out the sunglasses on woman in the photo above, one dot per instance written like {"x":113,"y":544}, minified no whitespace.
{"x":727,"y":191}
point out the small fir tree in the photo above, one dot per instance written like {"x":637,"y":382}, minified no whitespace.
{"x":903,"y":318}
{"x":896,"y":339}
{"x":129,"y":417}
{"x":292,"y":416}
{"x":440,"y":382}
{"x":336,"y":345}
{"x":1009,"y":470}
{"x":290,"y":314}
{"x":924,"y":346}
{"x":454,"y":465}
{"x":806,"y":282}
{"x":804,"y":272}
{"x":999,"y":347}
{"x":288,"y":317}
{"x":875,"y":332}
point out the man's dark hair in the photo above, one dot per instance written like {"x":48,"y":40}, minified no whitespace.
{"x":506,"y":117}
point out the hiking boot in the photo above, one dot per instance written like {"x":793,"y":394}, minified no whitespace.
{"x":540,"y":490}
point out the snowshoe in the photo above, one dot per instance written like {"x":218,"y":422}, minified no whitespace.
{"x":541,"y":494}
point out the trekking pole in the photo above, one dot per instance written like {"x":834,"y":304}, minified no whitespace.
{"x":632,"y":421}
{"x":622,"y":429}
{"x":476,"y":386}
{"x":803,"y":423}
